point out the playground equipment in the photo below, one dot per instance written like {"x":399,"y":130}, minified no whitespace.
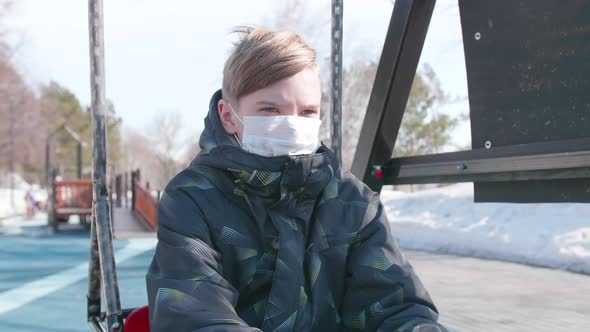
{"x":529,"y":84}
{"x":528,"y":81}
{"x":68,"y":198}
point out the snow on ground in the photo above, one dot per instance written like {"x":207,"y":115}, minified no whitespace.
{"x":446,"y":220}
{"x":6,"y":207}
{"x":13,"y":202}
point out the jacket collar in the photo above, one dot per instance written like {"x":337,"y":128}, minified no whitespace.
{"x":306,"y":174}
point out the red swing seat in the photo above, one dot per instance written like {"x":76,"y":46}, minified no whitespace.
{"x":138,"y":320}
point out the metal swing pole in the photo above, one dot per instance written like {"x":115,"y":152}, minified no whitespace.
{"x":101,"y":270}
{"x":336,"y":57}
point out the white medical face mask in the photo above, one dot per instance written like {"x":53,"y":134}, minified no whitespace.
{"x":280,"y":135}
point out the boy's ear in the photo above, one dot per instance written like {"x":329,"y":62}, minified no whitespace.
{"x":226,"y":117}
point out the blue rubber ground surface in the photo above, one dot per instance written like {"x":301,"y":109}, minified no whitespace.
{"x":471,"y":294}
{"x":28,"y":253}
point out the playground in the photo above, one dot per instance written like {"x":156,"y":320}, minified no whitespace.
{"x":45,"y":277}
{"x":496,"y":229}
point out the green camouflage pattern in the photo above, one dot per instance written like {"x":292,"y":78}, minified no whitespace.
{"x":250,"y":243}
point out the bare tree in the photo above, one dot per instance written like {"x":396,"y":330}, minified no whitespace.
{"x":20,"y":143}
{"x":191,"y":149}
{"x":139,"y":154}
{"x":5,"y":8}
{"x":156,"y":151}
{"x":298,"y":16}
{"x":357,"y":83}
{"x":165,"y":131}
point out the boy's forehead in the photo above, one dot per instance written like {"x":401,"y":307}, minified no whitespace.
{"x":302,"y":88}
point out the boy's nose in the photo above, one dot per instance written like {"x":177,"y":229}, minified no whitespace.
{"x":292,"y":110}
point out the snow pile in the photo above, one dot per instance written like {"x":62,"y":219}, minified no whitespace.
{"x":6,"y":208}
{"x":446,"y":220}
{"x":18,"y":195}
{"x":21,"y":187}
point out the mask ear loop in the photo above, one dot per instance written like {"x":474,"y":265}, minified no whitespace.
{"x":238,"y":117}
{"x":234,"y":112}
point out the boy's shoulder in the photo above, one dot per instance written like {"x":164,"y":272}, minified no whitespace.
{"x":189,"y":179}
{"x":353,"y":189}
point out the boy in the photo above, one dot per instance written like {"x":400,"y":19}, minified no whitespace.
{"x":264,"y":230}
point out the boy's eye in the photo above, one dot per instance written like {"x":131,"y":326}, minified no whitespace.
{"x":308,"y":112}
{"x":269,"y":109}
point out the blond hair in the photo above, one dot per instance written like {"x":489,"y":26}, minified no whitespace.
{"x":262,"y":57}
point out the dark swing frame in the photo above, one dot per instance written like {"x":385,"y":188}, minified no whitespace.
{"x":566,"y":159}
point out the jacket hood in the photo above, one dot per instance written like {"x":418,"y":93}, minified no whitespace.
{"x":305,"y":174}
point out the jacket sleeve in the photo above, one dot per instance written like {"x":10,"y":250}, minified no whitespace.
{"x":186,"y":290}
{"x":383,"y":292}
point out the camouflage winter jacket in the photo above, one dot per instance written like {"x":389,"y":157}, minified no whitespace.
{"x":249,"y":243}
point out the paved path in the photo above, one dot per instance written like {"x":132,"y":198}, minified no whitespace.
{"x":484,"y":295}
{"x":471,"y":294}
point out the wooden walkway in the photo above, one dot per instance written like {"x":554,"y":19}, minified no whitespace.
{"x":126,"y":226}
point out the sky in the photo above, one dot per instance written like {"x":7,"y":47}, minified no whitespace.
{"x":167,"y":56}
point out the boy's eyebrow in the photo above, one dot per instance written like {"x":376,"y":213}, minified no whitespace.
{"x":271,"y":103}
{"x":265,"y":102}
{"x":312,"y":106}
